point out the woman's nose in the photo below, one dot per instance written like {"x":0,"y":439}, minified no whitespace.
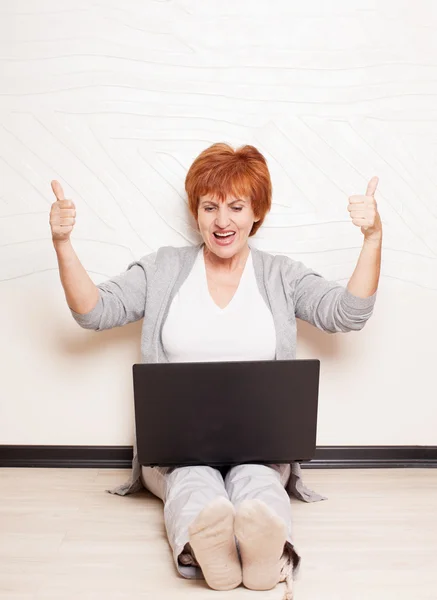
{"x":222,"y":219}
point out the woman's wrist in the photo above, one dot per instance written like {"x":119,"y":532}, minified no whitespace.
{"x":62,"y":245}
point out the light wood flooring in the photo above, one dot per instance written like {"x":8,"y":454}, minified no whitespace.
{"x":63,"y":537}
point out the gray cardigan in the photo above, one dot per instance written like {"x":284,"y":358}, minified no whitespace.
{"x":289,"y":288}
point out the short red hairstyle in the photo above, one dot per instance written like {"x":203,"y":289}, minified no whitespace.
{"x":220,"y":170}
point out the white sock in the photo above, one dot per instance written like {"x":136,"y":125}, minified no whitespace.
{"x":213,"y":542}
{"x":261,"y":535}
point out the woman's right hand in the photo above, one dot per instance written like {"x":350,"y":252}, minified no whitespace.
{"x":62,"y":215}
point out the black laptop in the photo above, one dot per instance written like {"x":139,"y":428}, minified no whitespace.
{"x":226,"y":413}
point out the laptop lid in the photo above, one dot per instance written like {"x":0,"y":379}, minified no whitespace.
{"x":226,"y":413}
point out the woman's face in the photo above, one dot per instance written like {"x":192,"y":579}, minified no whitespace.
{"x":233,"y":219}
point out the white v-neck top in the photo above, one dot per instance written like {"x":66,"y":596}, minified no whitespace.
{"x":198,"y":330}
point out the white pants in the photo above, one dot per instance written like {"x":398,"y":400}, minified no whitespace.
{"x":185,"y":491}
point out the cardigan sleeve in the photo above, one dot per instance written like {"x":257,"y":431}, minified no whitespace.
{"x":122,"y":299}
{"x":326,"y":304}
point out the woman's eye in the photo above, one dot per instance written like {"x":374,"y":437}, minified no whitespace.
{"x":210,"y":208}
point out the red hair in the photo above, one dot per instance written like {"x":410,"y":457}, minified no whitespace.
{"x":220,"y":170}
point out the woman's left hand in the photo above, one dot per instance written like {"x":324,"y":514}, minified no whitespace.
{"x":364,"y":212}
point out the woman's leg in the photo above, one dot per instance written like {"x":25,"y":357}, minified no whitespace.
{"x":263,"y":524}
{"x":199,"y":520}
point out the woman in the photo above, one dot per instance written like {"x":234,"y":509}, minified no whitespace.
{"x":223,"y":300}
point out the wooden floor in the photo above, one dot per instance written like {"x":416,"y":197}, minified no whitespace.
{"x":63,"y":537}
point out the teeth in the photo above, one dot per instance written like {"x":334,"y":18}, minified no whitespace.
{"x":224,"y":234}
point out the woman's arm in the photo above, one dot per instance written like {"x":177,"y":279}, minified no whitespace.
{"x":364,"y":213}
{"x":326,"y":304}
{"x":365,"y":278}
{"x":114,"y":302}
{"x":81,"y":292}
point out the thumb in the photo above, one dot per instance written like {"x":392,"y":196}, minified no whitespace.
{"x":371,"y":186}
{"x":57,"y":190}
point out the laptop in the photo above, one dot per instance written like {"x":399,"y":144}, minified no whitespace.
{"x":226,"y":413}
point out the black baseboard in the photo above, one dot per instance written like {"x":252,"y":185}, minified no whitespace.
{"x":120,"y":457}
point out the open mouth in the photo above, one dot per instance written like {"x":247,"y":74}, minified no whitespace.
{"x":224,"y":239}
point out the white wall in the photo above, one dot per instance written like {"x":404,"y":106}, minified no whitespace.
{"x":116,"y":99}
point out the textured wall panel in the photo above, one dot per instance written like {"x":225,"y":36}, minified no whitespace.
{"x":116,"y":99}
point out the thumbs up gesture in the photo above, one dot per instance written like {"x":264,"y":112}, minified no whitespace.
{"x":364,"y":212}
{"x":62,"y":215}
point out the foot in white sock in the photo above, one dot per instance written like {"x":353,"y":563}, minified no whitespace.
{"x":261,"y":535}
{"x":212,"y":539}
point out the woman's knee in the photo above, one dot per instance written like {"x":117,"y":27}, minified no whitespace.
{"x":197,"y":477}
{"x":252,"y":471}
{"x":196,"y":472}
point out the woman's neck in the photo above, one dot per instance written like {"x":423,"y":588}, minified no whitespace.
{"x":233,"y":263}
